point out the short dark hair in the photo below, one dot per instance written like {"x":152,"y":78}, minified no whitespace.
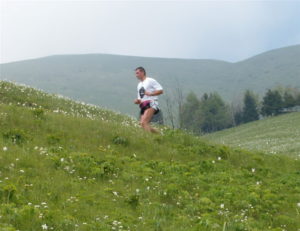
{"x":141,"y":69}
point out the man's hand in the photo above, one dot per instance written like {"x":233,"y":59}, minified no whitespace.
{"x":137,"y":101}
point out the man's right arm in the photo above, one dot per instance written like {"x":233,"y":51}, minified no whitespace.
{"x":138,"y":100}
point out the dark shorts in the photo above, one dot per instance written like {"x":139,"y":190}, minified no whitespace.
{"x":149,"y":104}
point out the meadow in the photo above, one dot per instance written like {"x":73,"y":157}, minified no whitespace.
{"x":273,"y":135}
{"x":67,"y":165}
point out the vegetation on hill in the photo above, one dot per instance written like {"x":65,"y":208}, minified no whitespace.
{"x":210,"y":113}
{"x":274,"y":135}
{"x":70,"y":166}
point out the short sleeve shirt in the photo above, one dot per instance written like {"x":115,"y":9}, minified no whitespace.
{"x":150,"y":85}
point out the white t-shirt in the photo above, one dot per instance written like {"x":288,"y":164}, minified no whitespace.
{"x":150,"y":85}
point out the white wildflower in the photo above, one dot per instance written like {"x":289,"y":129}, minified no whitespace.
{"x":115,"y":193}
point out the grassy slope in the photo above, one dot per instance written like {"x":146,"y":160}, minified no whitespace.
{"x":84,"y":168}
{"x":280,"y":134}
{"x":93,"y":77}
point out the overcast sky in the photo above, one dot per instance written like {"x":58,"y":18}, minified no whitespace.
{"x":224,"y":30}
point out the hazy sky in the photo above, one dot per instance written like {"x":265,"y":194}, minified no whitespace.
{"x":225,"y":30}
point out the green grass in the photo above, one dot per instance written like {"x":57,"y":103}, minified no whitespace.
{"x":69,"y":166}
{"x":276,"y":135}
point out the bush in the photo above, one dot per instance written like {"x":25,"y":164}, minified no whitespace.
{"x":53,"y":139}
{"x":7,"y":192}
{"x":38,"y":113}
{"x":120,"y":140}
{"x":15,"y":136}
{"x":133,"y":200}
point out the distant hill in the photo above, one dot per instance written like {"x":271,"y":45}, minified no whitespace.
{"x":109,"y":80}
{"x":276,"y":135}
{"x":69,"y":166}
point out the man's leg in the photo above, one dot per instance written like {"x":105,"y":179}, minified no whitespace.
{"x":146,"y":118}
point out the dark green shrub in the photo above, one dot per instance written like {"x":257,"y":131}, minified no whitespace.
{"x":133,"y":200}
{"x":15,"y":136}
{"x":7,"y":192}
{"x":53,"y":139}
{"x":120,"y":140}
{"x":38,"y":113}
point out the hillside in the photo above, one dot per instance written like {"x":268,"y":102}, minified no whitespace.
{"x":277,"y":135}
{"x":69,"y":166}
{"x":108,"y":80}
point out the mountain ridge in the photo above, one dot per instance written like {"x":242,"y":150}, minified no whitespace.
{"x":108,"y":80}
{"x":156,"y":57}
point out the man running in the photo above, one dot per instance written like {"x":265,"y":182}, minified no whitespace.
{"x":148,"y":90}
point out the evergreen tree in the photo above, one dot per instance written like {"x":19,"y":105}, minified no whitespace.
{"x":215,"y":113}
{"x":250,"y":109}
{"x":298,"y":100}
{"x":238,"y":117}
{"x":288,"y":100}
{"x":206,"y":115}
{"x":272,"y":103}
{"x":189,"y":118}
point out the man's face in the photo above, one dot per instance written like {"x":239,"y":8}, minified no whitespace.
{"x":139,"y":74}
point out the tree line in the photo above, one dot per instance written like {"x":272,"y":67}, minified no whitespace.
{"x":211,"y":113}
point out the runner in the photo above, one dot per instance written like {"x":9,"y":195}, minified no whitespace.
{"x":148,"y":90}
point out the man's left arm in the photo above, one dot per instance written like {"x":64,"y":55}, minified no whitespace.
{"x":155,"y":93}
{"x":158,"y":89}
